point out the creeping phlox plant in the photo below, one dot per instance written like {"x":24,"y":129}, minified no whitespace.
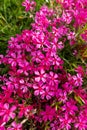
{"x":45,"y":86}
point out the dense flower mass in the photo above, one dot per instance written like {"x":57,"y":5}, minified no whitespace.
{"x":43,"y":88}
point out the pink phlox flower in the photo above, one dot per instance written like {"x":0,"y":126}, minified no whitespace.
{"x":56,"y":32}
{"x":71,"y":80}
{"x":81,"y":3}
{"x":71,"y":36}
{"x":12,"y":83}
{"x":48,"y":114}
{"x":29,"y":5}
{"x":26,"y":37}
{"x":21,"y":110}
{"x":46,"y":61}
{"x":38,"y":89}
{"x":7,"y":112}
{"x":55,"y":45}
{"x":78,"y":80}
{"x":62,"y":96}
{"x":60,"y":45}
{"x":29,"y":111}
{"x":65,"y":122}
{"x":48,"y":93}
{"x":62,"y":30}
{"x":13,"y":60}
{"x":40,"y":76}
{"x":24,"y":88}
{"x":12,"y":42}
{"x":24,"y":85}
{"x":2,"y":128}
{"x":39,"y":39}
{"x":7,"y":92}
{"x":15,"y":126}
{"x":81,"y":123}
{"x":72,"y":42}
{"x":67,"y":87}
{"x":82,"y":18}
{"x":59,"y":32}
{"x":67,"y":3}
{"x":80,"y":70}
{"x":70,"y":107}
{"x":50,"y":51}
{"x":54,"y":125}
{"x":46,"y":11}
{"x":52,"y":78}
{"x":42,"y":20}
{"x":3,"y":78}
{"x":24,"y":67}
{"x":37,"y":56}
{"x":67,"y":17}
{"x":57,"y":62}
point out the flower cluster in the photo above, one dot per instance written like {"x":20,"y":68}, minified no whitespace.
{"x":38,"y":90}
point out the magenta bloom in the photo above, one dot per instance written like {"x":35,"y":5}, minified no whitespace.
{"x":29,"y":5}
{"x":15,"y":126}
{"x":54,"y":125}
{"x":81,"y":124}
{"x":70,"y":107}
{"x":7,"y":112}
{"x":67,"y":17}
{"x":2,"y":128}
{"x":40,"y":76}
{"x":48,"y":114}
{"x":47,"y":93}
{"x":39,"y":89}
{"x":52,"y":78}
{"x":65,"y":122}
{"x":71,"y":36}
{"x":80,"y":70}
{"x":78,"y":80}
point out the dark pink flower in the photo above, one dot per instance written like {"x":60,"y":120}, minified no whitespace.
{"x":48,"y":93}
{"x":71,"y":36}
{"x":15,"y":126}
{"x":80,"y":70}
{"x":65,"y":122}
{"x":62,"y":96}
{"x":29,"y":5}
{"x":24,"y":67}
{"x":39,"y":89}
{"x":70,"y":107}
{"x":40,"y":76}
{"x":7,"y":112}
{"x":53,"y":78}
{"x":67,"y":17}
{"x":2,"y":128}
{"x":81,"y":124}
{"x":78,"y":80}
{"x":48,"y":114}
{"x":54,"y":125}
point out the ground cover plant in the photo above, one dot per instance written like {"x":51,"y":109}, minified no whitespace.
{"x":44,"y":85}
